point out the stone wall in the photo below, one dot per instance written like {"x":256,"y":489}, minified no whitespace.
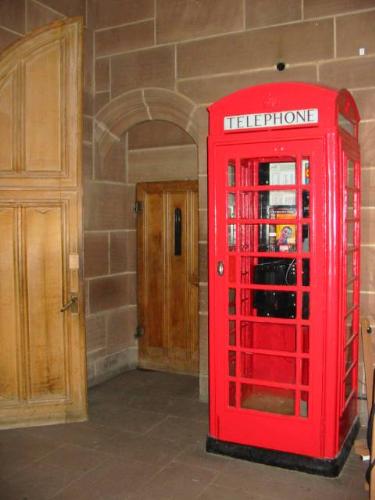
{"x":167,"y":60}
{"x":204,"y":50}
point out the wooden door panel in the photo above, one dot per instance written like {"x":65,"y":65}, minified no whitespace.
{"x":42,"y":356}
{"x":167,"y":280}
{"x":40,"y":113}
{"x":45,"y":322}
{"x":7,"y":115}
{"x":154,"y":287}
{"x":44,"y":116}
{"x":177,"y":284}
{"x":9,"y":304}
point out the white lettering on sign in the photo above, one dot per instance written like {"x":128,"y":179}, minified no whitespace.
{"x":276,"y":119}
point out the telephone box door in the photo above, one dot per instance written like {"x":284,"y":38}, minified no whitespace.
{"x":267,"y":251}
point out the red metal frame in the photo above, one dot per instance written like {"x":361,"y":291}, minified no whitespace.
{"x":322,"y":413}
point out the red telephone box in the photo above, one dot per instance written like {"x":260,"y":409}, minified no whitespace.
{"x":284,"y":241}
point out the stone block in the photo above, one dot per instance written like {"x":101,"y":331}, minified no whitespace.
{"x":256,"y":49}
{"x":368,"y":268}
{"x":87,"y":161}
{"x":123,"y":251}
{"x":203,"y":298}
{"x":367,"y":143}
{"x":169,"y":106}
{"x":116,"y":12}
{"x":102,"y":74}
{"x":162,"y":164}
{"x":267,"y":12}
{"x":367,"y":226}
{"x":95,"y":332}
{"x":122,"y":325}
{"x":178,"y":20}
{"x":111,"y":292}
{"x":109,"y":206}
{"x":368,"y":187}
{"x":157,"y":133}
{"x":368,"y":306}
{"x":87,"y":128}
{"x":203,"y":224}
{"x":111,"y":167}
{"x":210,"y":89}
{"x":12,"y":15}
{"x":365,"y":100}
{"x":355,"y":31}
{"x":69,"y":8}
{"x":202,"y":187}
{"x":37,"y":16}
{"x":124,"y":38}
{"x":101,"y":99}
{"x":144,"y":68}
{"x":96,"y":253}
{"x":358,"y":72}
{"x":7,"y":38}
{"x":203,"y":263}
{"x":318,"y":8}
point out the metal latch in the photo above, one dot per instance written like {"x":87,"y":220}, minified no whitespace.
{"x":72,"y":304}
{"x":139,"y":332}
{"x":138,"y":207}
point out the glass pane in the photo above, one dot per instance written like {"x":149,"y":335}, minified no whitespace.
{"x":232,"y":301}
{"x":232,"y":268}
{"x":304,"y":404}
{"x":232,"y":394}
{"x":270,"y":271}
{"x":306,"y":204}
{"x":349,"y":296}
{"x":281,"y":173}
{"x":305,"y":372}
{"x":232,"y":363}
{"x":346,"y":124}
{"x":305,"y":174}
{"x":350,"y":227}
{"x":232,"y":332}
{"x":349,"y":266}
{"x":275,"y":304}
{"x":305,"y":305}
{"x":348,"y":356}
{"x":306,"y":272}
{"x":305,"y":238}
{"x":246,"y":302}
{"x":350,"y":179}
{"x":265,"y":367}
{"x":348,"y":384}
{"x":269,"y":399}
{"x":277,"y":238}
{"x":232,"y":237}
{"x":349,"y":327}
{"x":231,"y":173}
{"x":231,"y":213}
{"x":305,"y":339}
{"x":247,"y":205}
{"x":247,"y":173}
{"x":268,"y":336}
{"x":247,"y":237}
{"x":280,"y":201}
{"x":349,"y":204}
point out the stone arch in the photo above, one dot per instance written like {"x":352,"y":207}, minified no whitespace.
{"x":137,"y":106}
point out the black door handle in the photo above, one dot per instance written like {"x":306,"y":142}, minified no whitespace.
{"x":177,"y":231}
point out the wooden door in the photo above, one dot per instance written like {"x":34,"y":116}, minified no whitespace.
{"x":168,"y":276}
{"x":42,"y":356}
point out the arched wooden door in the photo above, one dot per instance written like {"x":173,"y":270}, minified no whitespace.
{"x":42,"y":354}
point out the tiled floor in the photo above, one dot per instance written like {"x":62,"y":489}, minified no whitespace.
{"x":145,"y":441}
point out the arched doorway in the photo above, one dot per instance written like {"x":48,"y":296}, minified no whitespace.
{"x":136,"y":107}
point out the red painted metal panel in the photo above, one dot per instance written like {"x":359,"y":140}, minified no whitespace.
{"x":284,"y":268}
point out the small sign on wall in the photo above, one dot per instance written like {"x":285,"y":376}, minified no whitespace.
{"x":275,"y":119}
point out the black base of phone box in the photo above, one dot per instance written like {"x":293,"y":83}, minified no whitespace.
{"x":323,"y":467}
